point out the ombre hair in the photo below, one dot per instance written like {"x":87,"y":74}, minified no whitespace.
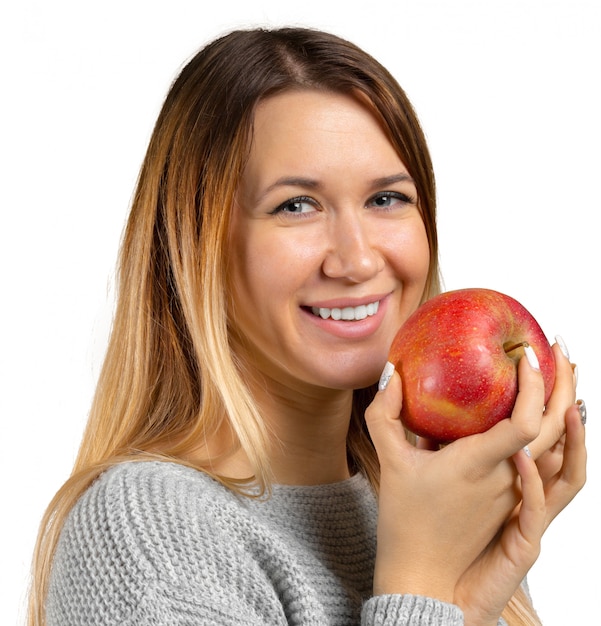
{"x":170,"y":377}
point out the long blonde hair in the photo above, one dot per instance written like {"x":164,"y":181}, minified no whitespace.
{"x":170,"y":378}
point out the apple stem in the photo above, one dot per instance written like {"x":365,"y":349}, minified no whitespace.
{"x":515,"y":346}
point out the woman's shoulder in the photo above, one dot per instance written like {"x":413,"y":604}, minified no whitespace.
{"x":141,"y":490}
{"x":140,"y":525}
{"x":148,"y":498}
{"x":139,"y":512}
{"x":160,"y":482}
{"x":142,"y":473}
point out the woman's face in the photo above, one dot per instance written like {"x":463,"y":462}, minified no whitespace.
{"x":329,"y":253}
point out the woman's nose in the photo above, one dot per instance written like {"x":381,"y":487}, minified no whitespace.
{"x":352,"y":254}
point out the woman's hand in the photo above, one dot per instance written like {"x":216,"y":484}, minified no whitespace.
{"x":438,"y":510}
{"x":485,"y":588}
{"x":448,"y":523}
{"x":547,"y":446}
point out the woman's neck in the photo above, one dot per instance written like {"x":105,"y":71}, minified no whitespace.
{"x":309,"y":427}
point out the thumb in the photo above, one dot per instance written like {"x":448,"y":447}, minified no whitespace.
{"x":382,"y":416}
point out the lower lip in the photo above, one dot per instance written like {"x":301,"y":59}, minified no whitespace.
{"x":357,"y":329}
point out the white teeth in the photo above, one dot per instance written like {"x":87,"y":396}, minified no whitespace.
{"x":348,"y":313}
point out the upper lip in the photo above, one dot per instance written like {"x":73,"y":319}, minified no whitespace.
{"x":341,"y":303}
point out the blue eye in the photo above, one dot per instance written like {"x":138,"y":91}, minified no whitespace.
{"x":296,"y":206}
{"x":390,"y":199}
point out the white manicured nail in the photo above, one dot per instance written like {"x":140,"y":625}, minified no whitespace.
{"x":532,"y":358}
{"x":386,"y":376}
{"x":562,"y":346}
{"x":527,"y":452}
{"x":582,"y":410}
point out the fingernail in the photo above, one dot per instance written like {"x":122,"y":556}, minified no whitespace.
{"x":575,"y":371}
{"x":386,"y":376}
{"x":582,"y":410}
{"x":532,"y":358}
{"x":527,"y":452}
{"x":562,"y":346}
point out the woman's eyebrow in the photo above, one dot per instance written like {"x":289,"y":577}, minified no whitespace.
{"x":292,"y":181}
{"x":311,"y":183}
{"x":402,"y":177}
{"x":301,"y":181}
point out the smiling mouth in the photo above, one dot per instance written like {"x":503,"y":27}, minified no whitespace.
{"x":348,"y":313}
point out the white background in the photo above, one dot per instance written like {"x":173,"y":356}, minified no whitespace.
{"x":508,"y":95}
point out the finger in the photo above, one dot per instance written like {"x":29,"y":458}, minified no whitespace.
{"x":563,"y":396}
{"x":533,"y":511}
{"x":382,"y":417}
{"x":509,"y":436}
{"x":572,"y":475}
{"x":561,"y":344}
{"x":527,"y":412}
{"x":550,"y":461}
{"x":564,"y":389}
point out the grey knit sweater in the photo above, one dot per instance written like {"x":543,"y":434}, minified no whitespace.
{"x":159,"y":544}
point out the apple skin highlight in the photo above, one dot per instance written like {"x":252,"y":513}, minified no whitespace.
{"x":457,"y":365}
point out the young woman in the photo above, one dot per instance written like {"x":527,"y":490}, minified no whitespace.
{"x":240,"y":465}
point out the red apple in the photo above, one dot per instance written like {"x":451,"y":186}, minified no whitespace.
{"x":457,"y":356}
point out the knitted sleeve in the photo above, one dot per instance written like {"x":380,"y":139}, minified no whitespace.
{"x":408,"y":610}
